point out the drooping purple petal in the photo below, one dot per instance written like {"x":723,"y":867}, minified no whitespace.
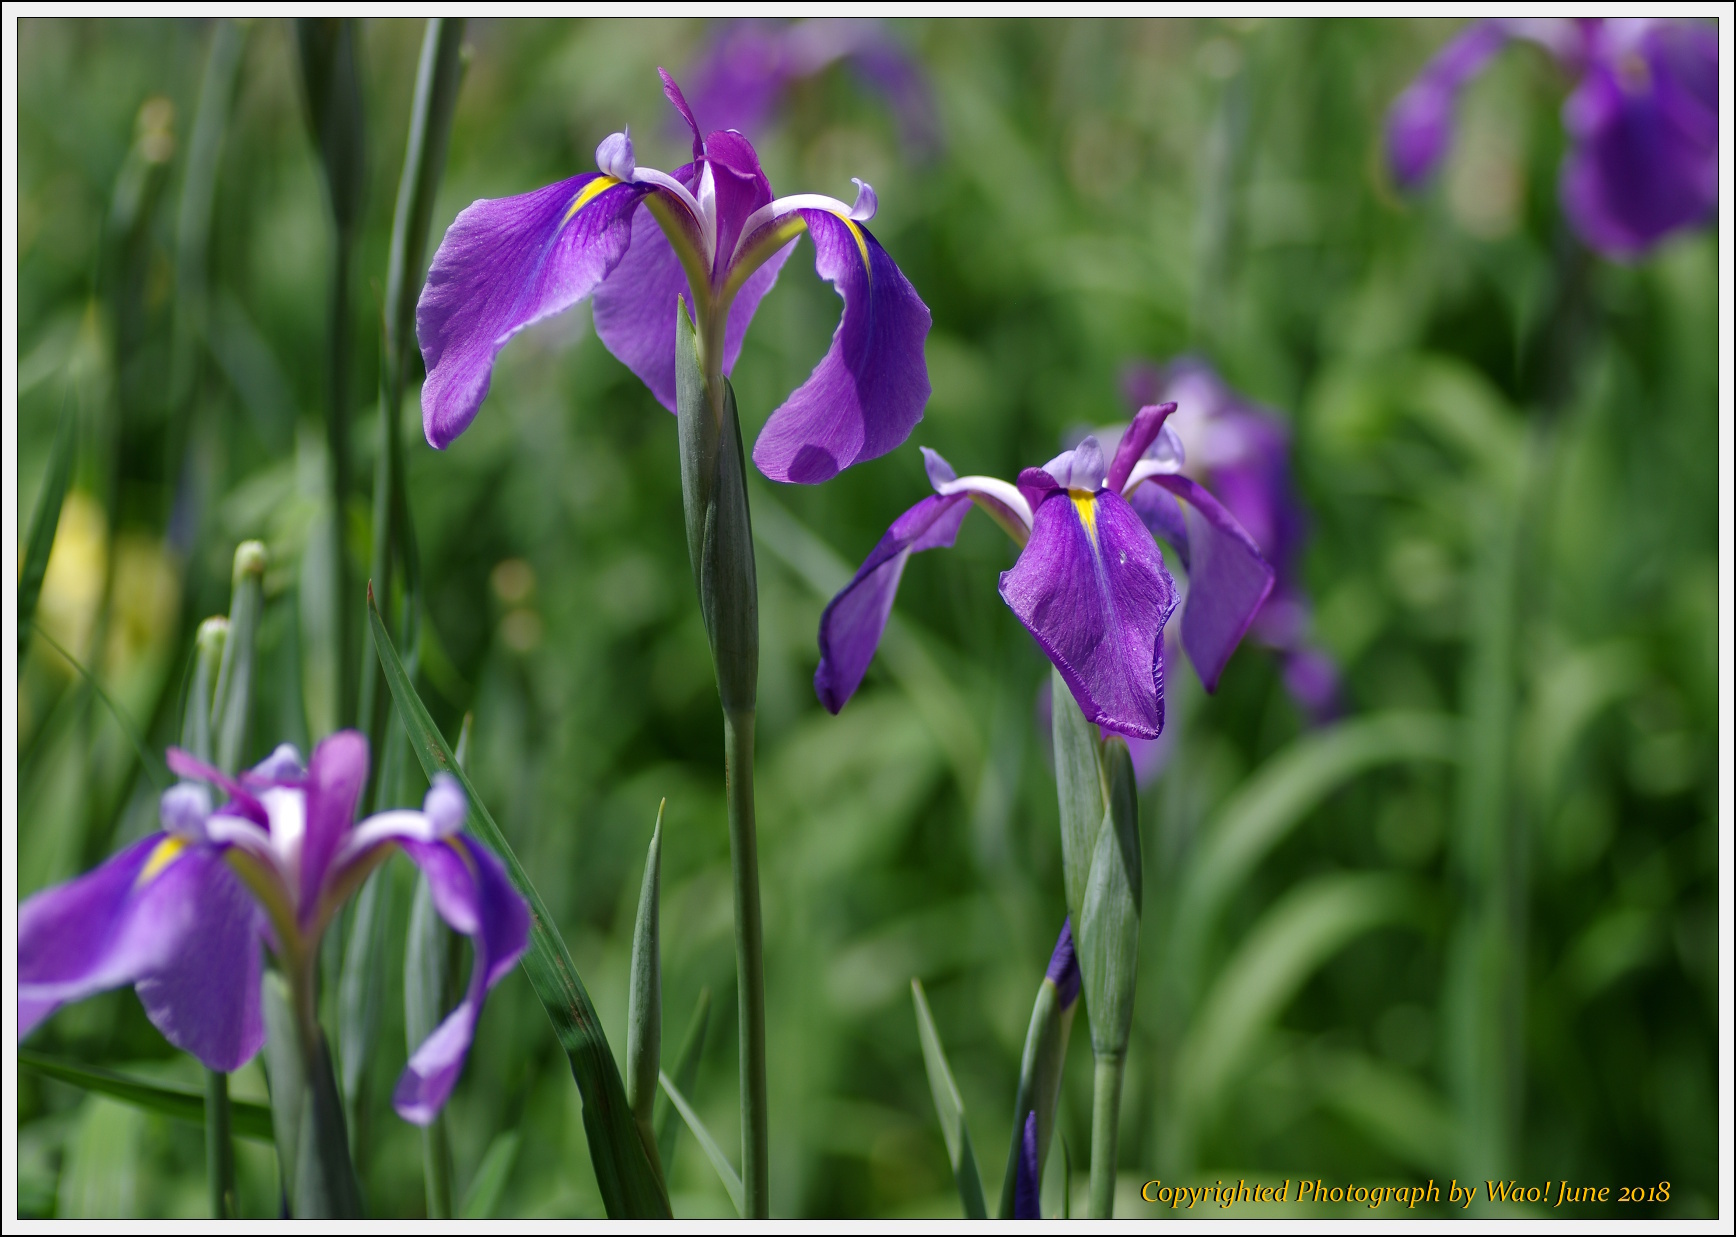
{"x":634,"y":308}
{"x":867,"y":393}
{"x":1158,"y":510}
{"x":855,"y":619}
{"x":1092,"y":589}
{"x":472,"y":893}
{"x":1228,"y":580}
{"x":1063,"y":969}
{"x":241,"y":800}
{"x":204,"y":997}
{"x":504,"y":264}
{"x":1027,"y":1189}
{"x":335,"y":777}
{"x":1420,"y":125}
{"x":109,"y":927}
{"x":1644,"y":120}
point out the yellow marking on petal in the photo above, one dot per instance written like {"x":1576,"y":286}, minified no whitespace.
{"x":861,"y":245}
{"x":162,"y":856}
{"x":584,"y":196}
{"x":1085,"y":504}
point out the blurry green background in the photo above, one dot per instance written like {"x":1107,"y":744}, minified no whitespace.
{"x":1104,"y":191}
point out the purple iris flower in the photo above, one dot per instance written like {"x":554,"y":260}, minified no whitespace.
{"x":1643,"y":120}
{"x":181,"y":914}
{"x":1241,"y":452}
{"x":635,"y":240}
{"x":748,"y":66}
{"x":1089,"y":583}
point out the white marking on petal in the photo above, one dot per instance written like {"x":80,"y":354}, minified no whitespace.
{"x":780,"y":207}
{"x":615,"y":155}
{"x":400,"y":824}
{"x":184,"y":809}
{"x":1145,"y":470}
{"x":666,"y":182}
{"x":287,"y":811}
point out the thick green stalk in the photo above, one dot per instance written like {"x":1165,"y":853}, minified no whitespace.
{"x":219,"y":1146}
{"x":749,"y":958}
{"x":1105,"y":1129}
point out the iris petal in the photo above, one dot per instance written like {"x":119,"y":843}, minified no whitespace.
{"x":868,"y":392}
{"x":504,"y":264}
{"x":335,"y":777}
{"x":854,"y":621}
{"x":1092,"y":589}
{"x":1228,"y":580}
{"x":472,"y":893}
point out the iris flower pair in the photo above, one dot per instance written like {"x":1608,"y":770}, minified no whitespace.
{"x":181,"y":914}
{"x":1090,"y":584}
{"x":1643,"y":120}
{"x":636,"y":241}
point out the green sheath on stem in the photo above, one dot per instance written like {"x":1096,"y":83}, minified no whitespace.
{"x":720,"y":546}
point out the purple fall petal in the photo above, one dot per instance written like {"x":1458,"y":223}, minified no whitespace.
{"x":634,"y":308}
{"x":1420,"y":125}
{"x":1027,"y":1190}
{"x":1096,"y":599}
{"x":204,"y":997}
{"x":472,"y":893}
{"x":1644,"y":120}
{"x":1228,"y":580}
{"x":855,"y":619}
{"x":867,"y":393}
{"x":504,"y":264}
{"x":336,"y":775}
{"x":741,"y":187}
{"x":106,"y":928}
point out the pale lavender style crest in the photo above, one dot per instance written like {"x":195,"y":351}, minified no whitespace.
{"x":1089,"y":584}
{"x":182,"y":914}
{"x":635,"y":240}
{"x":1642,"y":120}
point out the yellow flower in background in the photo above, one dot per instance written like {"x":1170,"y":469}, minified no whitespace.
{"x":72,"y":587}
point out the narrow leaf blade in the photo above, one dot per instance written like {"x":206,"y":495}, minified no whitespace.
{"x":626,"y":1177}
{"x":246,"y":1119}
{"x":686,"y":1070}
{"x":725,"y":1172}
{"x":950,"y":1106}
{"x":45,"y":521}
{"x":483,"y":1196}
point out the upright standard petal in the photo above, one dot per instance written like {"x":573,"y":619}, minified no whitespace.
{"x":1644,"y":119}
{"x":854,"y":621}
{"x":1092,"y":589}
{"x":204,"y":997}
{"x":335,"y":777}
{"x":1228,"y":580}
{"x":107,"y":928}
{"x":868,"y":392}
{"x":504,"y":264}
{"x":472,"y":892}
{"x":1420,"y":125}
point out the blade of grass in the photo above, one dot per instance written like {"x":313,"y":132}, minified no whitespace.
{"x":154,"y":768}
{"x":246,"y":1119}
{"x":686,"y":1070}
{"x":950,"y":1105}
{"x":45,"y":521}
{"x":725,"y":1172}
{"x":625,"y":1175}
{"x":483,"y":1196}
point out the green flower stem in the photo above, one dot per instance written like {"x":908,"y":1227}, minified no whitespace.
{"x":219,"y":1147}
{"x":1105,"y":1129}
{"x":749,"y":958}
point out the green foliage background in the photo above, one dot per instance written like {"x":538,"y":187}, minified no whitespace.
{"x":1105,"y":191}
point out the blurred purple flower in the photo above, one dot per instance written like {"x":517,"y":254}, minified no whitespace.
{"x":638,"y":239}
{"x":181,"y":914}
{"x":1089,"y":583}
{"x":1241,"y":452}
{"x":748,"y":65}
{"x":1643,"y":120}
